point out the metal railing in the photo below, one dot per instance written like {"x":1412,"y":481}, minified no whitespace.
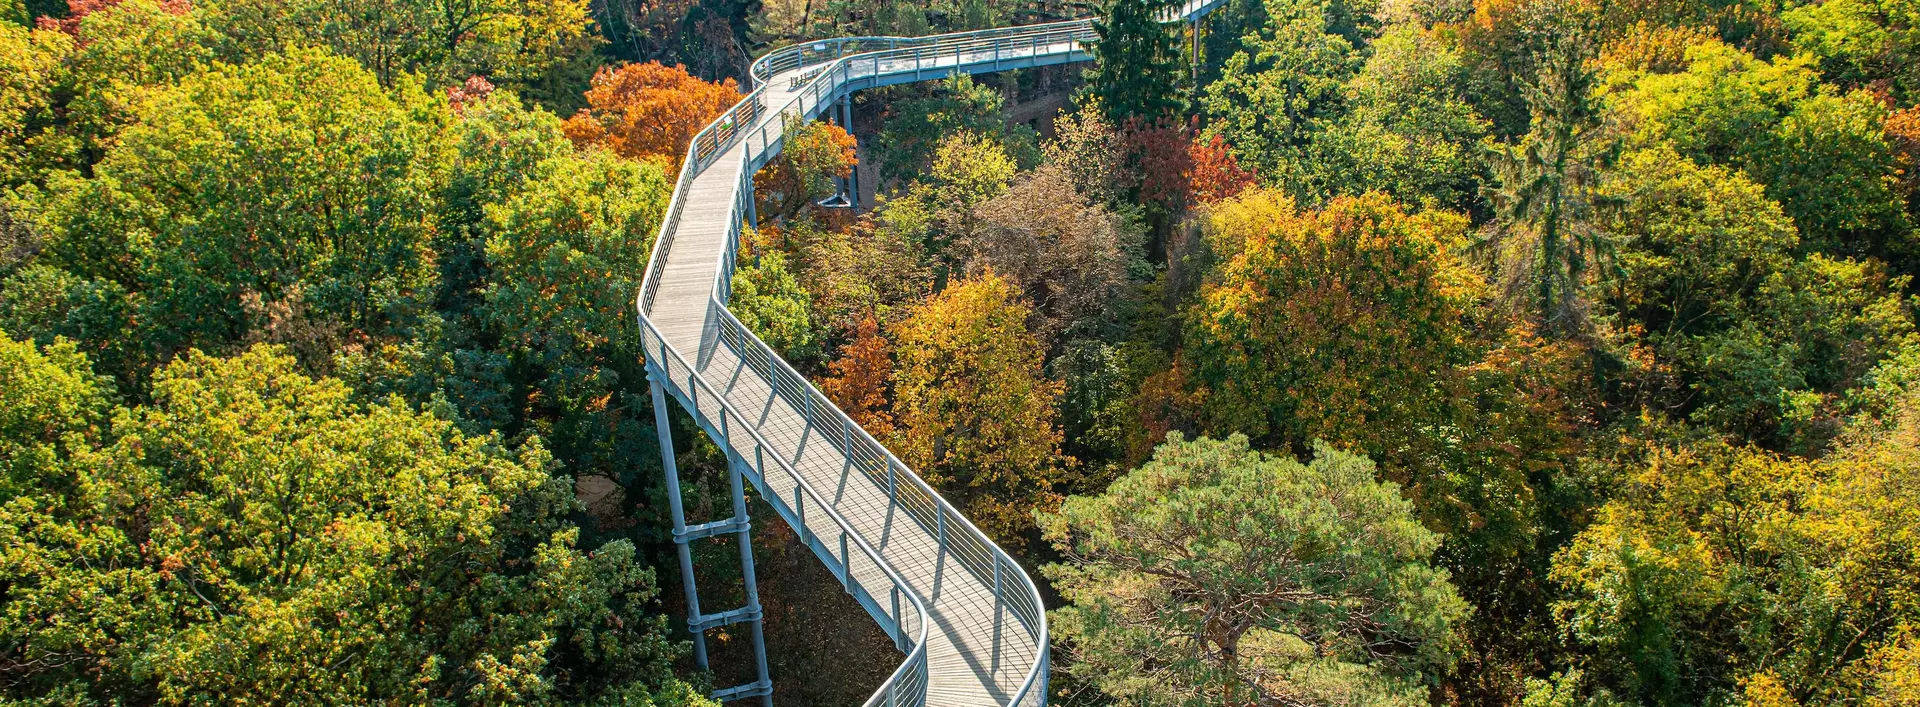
{"x":908,"y":683}
{"x":828,"y":69}
{"x":970,"y":547}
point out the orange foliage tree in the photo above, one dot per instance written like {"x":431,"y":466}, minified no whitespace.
{"x":649,"y":111}
{"x":857,"y":382}
{"x":1212,"y":173}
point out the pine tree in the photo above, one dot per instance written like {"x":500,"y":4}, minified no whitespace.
{"x":1137,"y":71}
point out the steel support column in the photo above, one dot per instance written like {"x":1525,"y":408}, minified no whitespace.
{"x":698,"y":623}
{"x":1196,"y":49}
{"x":679,"y":513}
{"x":853,"y":176}
{"x":745,"y":538}
{"x":753,"y":210}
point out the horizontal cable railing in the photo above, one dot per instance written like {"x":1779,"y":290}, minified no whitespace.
{"x":968,"y":545}
{"x":826,"y":50}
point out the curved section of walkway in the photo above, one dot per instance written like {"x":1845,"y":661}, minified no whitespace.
{"x":967,"y":617}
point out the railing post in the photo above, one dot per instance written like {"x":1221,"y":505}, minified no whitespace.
{"x":997,"y":604}
{"x":846,"y":568}
{"x":753,"y":211}
{"x":899,"y":622}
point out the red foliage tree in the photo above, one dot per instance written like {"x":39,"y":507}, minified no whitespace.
{"x":1213,"y":173}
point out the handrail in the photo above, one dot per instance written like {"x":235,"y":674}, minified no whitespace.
{"x":696,"y":383}
{"x":862,"y":449}
{"x":782,"y":59}
{"x":954,"y":533}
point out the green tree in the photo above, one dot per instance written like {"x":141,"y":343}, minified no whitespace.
{"x":939,"y":213}
{"x":562,"y":259}
{"x":1830,"y":165}
{"x":1714,"y":108}
{"x":254,"y":534}
{"x":325,"y":232}
{"x":518,"y":44}
{"x":122,"y":53}
{"x":773,"y":305}
{"x":1756,"y":342}
{"x":30,"y":72}
{"x":973,"y":410}
{"x":1408,"y":130}
{"x":1280,"y":88}
{"x":916,"y":127}
{"x":1219,"y":575}
{"x":1861,"y":42}
{"x":1137,"y":70}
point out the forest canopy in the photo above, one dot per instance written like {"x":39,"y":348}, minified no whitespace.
{"x":1542,"y":353}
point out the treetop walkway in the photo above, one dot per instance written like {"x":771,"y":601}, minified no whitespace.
{"x":966,"y":616}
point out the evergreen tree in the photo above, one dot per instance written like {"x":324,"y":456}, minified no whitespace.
{"x":1137,"y":71}
{"x":1545,"y":200}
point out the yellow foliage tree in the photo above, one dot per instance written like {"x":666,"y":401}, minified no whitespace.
{"x":976,"y":414}
{"x":1328,"y":324}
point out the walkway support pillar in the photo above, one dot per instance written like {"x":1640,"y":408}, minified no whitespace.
{"x":745,"y":538}
{"x":679,"y":513}
{"x":853,"y":176}
{"x":1196,"y":50}
{"x":739,"y":526}
{"x":753,"y":211}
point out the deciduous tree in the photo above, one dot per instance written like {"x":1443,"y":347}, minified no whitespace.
{"x":1760,"y":343}
{"x":649,"y":111}
{"x":1215,"y":173}
{"x":1287,"y":352}
{"x":1407,"y":131}
{"x":1722,"y":571}
{"x":773,"y":305}
{"x":254,"y":533}
{"x":915,"y":128}
{"x":30,"y":71}
{"x":334,"y":213}
{"x":975,"y":413}
{"x":1069,"y":256}
{"x":1279,"y":88}
{"x":815,"y":155}
{"x":857,"y":381}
